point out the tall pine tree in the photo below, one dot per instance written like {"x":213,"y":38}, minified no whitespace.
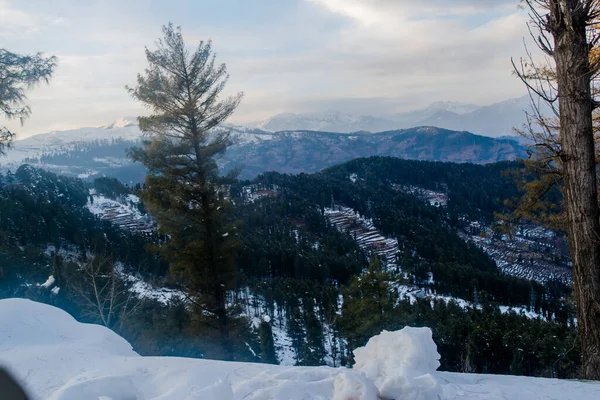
{"x":268,"y":354}
{"x":183,"y":189}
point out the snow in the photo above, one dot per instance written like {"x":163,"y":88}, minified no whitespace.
{"x":57,"y":358}
{"x":145,"y":290}
{"x":327,"y":121}
{"x":400,"y":364}
{"x":412,"y":293}
{"x":60,"y":141}
{"x":121,"y":211}
{"x":286,"y":354}
{"x":122,"y":123}
{"x":49,"y":282}
{"x":66,"y":252}
{"x":366,"y":235}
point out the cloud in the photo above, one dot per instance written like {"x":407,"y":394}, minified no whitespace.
{"x":391,"y":56}
{"x":17,"y":22}
{"x":372,"y":12}
{"x":359,"y":56}
{"x":391,"y":44}
{"x":13,"y":20}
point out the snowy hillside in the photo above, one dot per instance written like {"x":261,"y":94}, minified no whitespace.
{"x":57,"y":358}
{"x":121,"y":211}
{"x":58,"y":141}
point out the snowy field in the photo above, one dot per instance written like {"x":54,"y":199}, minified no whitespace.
{"x":57,"y":358}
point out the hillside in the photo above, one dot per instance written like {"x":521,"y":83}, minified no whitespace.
{"x":314,"y":251}
{"x":57,"y":358}
{"x":103,"y":151}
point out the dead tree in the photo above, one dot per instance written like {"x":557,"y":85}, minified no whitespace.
{"x":103,"y":293}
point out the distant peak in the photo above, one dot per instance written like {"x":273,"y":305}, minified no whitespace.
{"x":122,"y":123}
{"x":452,"y":106}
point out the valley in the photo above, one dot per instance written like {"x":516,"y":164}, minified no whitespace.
{"x":309,"y":243}
{"x":298,"y":200}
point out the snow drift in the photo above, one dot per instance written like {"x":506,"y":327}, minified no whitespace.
{"x":400,"y":364}
{"x":57,"y":358}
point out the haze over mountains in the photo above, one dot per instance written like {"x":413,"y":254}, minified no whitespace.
{"x":495,"y":120}
{"x":295,"y":143}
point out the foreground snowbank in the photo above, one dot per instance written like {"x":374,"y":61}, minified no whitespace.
{"x":58,"y":358}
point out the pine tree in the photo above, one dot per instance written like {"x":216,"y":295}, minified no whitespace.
{"x":18,"y":73}
{"x":267,"y":343}
{"x":296,"y":333}
{"x":183,"y":189}
{"x":314,"y":336}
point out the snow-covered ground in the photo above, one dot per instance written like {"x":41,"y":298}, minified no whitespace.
{"x":345,"y":219}
{"x":252,"y":193}
{"x":532,"y":253}
{"x":62,"y":141}
{"x":122,"y":212}
{"x":57,"y":358}
{"x":412,"y":293}
{"x":145,"y":290}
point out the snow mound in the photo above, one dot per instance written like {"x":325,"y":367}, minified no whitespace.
{"x":401,"y":364}
{"x":58,"y":358}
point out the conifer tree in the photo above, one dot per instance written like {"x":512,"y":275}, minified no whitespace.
{"x":17,"y":74}
{"x":183,"y":190}
{"x":267,"y":343}
{"x":314,"y":336}
{"x":296,"y":333}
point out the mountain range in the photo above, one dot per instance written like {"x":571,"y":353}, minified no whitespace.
{"x":495,"y":120}
{"x":90,"y":152}
{"x":293,"y":143}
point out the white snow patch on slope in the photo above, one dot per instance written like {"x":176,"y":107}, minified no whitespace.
{"x":145,"y":290}
{"x":49,"y":282}
{"x":57,"y":358}
{"x":412,"y":293}
{"x":122,"y":212}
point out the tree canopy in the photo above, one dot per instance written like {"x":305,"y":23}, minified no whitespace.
{"x":18,"y":73}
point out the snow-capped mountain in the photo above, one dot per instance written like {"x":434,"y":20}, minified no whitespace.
{"x":62,"y":141}
{"x":419,"y":116}
{"x":122,"y":123}
{"x":452,"y":106}
{"x":330,"y":121}
{"x":494,"y":120}
{"x":98,"y":151}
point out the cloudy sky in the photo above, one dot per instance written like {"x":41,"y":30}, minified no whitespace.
{"x":369,"y":57}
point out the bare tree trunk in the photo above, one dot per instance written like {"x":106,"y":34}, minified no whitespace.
{"x":571,"y":54}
